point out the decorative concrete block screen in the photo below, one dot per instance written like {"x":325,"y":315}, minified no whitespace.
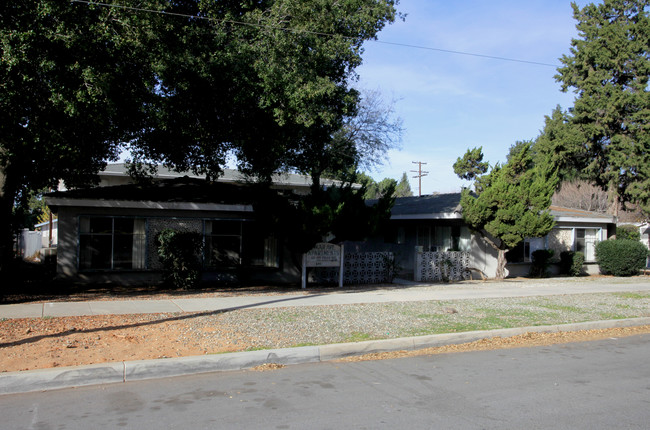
{"x":360,"y":268}
{"x":441,"y":266}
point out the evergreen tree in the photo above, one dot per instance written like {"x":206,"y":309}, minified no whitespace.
{"x":403,"y":188}
{"x":606,"y":135}
{"x":387,"y":187}
{"x":510,"y":202}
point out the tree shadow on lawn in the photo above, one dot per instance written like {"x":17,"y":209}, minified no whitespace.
{"x":147,"y":323}
{"x":58,"y":291}
{"x":34,"y":283}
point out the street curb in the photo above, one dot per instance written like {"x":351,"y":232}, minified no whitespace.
{"x":108,"y":373}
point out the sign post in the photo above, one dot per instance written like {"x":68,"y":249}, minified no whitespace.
{"x":323,"y":255}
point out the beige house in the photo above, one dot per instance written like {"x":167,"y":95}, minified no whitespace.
{"x":574,"y":230}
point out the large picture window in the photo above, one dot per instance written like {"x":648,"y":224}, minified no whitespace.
{"x":443,"y":238}
{"x":111,"y":243}
{"x":234,"y":243}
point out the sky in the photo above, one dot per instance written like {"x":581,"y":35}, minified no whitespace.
{"x":449,"y":102}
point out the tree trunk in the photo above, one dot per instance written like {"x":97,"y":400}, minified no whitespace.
{"x":7,"y":196}
{"x":501,"y":255}
{"x":315,"y":182}
{"x":501,"y":264}
{"x":10,"y":180}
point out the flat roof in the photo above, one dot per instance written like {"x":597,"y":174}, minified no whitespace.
{"x":229,"y":175}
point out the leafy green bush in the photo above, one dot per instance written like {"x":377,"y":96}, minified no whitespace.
{"x":541,"y":262}
{"x":628,"y":232}
{"x":180,"y":253}
{"x":621,"y":257}
{"x":391,"y":266}
{"x":571,"y":263}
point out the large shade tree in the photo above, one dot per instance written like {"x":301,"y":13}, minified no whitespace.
{"x":605,"y":136}
{"x":74,"y":81}
{"x":267,"y":81}
{"x":508,"y":204}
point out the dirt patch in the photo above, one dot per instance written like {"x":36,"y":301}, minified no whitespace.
{"x":38,"y":343}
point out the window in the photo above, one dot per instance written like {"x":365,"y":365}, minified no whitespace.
{"x":233,"y":243}
{"x":444,"y":238}
{"x":395,"y":235}
{"x":401,"y":235}
{"x":523,"y":253}
{"x":111,"y":243}
{"x":423,"y":238}
{"x":585,"y":242}
{"x":461,"y":239}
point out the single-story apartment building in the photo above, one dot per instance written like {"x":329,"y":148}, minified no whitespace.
{"x":434,"y":222}
{"x":108,"y":233}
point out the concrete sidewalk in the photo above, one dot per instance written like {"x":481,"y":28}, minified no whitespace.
{"x":403,"y":293}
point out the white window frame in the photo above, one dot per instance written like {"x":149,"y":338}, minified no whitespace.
{"x":574,"y":241}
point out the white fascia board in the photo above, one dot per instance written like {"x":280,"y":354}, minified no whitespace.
{"x":585,"y":220}
{"x":43,"y":224}
{"x":443,"y":215}
{"x":127,"y":204}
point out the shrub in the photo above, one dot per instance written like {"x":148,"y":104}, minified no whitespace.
{"x":621,"y":257}
{"x":571,"y":262}
{"x":541,"y":261}
{"x":180,"y":253}
{"x":628,"y":232}
{"x":391,"y":266}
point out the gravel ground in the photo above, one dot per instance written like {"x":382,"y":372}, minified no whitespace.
{"x":316,"y":325}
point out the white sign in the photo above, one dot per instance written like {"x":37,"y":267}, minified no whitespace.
{"x":323,"y":255}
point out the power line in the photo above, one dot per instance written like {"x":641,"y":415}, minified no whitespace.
{"x":315,"y":33}
{"x":492,"y":57}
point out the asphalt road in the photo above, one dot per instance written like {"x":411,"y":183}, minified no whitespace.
{"x":594,"y":385}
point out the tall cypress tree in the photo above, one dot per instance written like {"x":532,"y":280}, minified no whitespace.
{"x":510,"y":202}
{"x":608,"y":69}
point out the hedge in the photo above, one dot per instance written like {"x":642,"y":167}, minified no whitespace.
{"x":628,"y":231}
{"x":622,"y":257}
{"x":571,"y":262}
{"x":541,"y":262}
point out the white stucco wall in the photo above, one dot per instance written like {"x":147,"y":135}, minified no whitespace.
{"x":483,"y":257}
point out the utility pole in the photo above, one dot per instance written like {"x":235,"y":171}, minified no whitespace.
{"x":420,"y":174}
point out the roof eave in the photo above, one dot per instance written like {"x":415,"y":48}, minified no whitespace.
{"x":606,"y":220}
{"x":441,"y":215}
{"x":131,"y":204}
